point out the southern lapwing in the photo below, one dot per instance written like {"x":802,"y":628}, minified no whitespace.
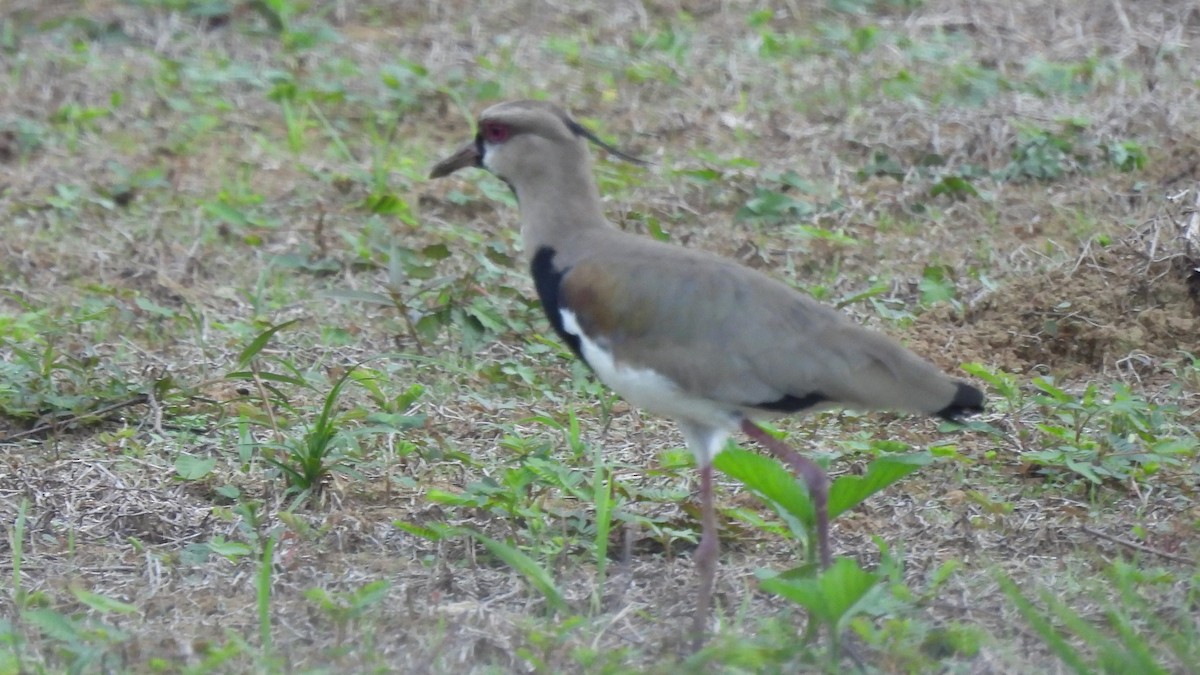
{"x":684,"y":334}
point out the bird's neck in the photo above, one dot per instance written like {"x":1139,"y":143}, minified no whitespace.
{"x":559,"y":207}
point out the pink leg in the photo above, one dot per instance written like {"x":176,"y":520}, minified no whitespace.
{"x":813,"y":475}
{"x":706,"y":553}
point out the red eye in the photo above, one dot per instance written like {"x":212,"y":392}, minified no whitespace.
{"x":495,"y":132}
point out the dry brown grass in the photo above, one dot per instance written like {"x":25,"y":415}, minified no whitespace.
{"x":108,"y":515}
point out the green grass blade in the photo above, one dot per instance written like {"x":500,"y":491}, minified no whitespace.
{"x":16,"y":542}
{"x":1041,"y":625}
{"x":1178,"y":630}
{"x":103,"y":603}
{"x":602,"y":491}
{"x":263,"y":593}
{"x":331,"y":131}
{"x":1112,"y":658}
{"x":527,"y":566}
{"x":260,"y":341}
{"x":1128,"y":655}
{"x":1137,"y":647}
{"x":266,"y":377}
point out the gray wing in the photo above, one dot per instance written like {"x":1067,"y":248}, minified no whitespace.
{"x":733,"y":335}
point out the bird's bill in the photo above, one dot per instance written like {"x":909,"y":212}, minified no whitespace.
{"x":467,"y":155}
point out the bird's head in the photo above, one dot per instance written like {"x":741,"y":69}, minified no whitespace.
{"x":526,"y":141}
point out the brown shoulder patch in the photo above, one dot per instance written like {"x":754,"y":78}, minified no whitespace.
{"x":593,"y":294}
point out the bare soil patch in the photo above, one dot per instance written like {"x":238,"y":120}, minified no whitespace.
{"x":1125,"y":306}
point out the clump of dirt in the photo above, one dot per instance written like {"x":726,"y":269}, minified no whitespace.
{"x":1125,"y":305}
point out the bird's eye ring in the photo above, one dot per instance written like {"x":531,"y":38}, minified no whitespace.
{"x":495,"y":132}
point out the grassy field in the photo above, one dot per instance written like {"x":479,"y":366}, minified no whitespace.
{"x":272,"y":401}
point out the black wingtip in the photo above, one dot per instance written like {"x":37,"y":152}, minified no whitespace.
{"x":967,"y":401}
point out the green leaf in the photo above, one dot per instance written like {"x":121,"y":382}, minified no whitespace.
{"x":435,"y":252}
{"x":53,"y":625}
{"x":386,"y":203}
{"x":834,"y":597}
{"x":193,"y":468}
{"x":370,"y":593}
{"x":395,"y":421}
{"x":432,"y":533}
{"x":1055,"y":392}
{"x":322,"y":598}
{"x":397,"y":270}
{"x":850,"y":491}
{"x":701,"y":175}
{"x":102,"y":603}
{"x":773,"y":207}
{"x":654,"y":227}
{"x":882,"y":164}
{"x":226,"y":213}
{"x":957,"y":187}
{"x":266,"y":377}
{"x":229,"y":549}
{"x":261,"y":341}
{"x":936,"y":285}
{"x":527,"y":566}
{"x":751,"y":517}
{"x":877,"y":289}
{"x":453,"y":499}
{"x":351,"y":295}
{"x":772,"y":483}
{"x":154,"y":308}
{"x":1085,"y":469}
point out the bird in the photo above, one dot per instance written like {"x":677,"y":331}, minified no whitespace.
{"x":684,"y":334}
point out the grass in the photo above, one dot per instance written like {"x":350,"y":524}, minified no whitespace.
{"x":270,"y":401}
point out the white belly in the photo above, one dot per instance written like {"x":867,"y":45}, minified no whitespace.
{"x":646,"y":388}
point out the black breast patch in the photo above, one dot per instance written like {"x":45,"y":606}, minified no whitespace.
{"x":548,"y":281}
